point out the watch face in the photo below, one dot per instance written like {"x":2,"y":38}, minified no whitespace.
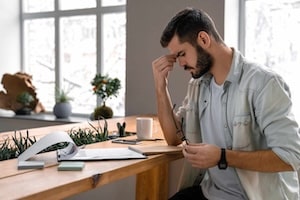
{"x":222,"y":165}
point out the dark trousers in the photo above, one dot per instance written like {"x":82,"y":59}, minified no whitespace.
{"x":190,"y":193}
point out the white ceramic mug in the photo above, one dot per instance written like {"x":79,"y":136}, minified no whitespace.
{"x":144,"y":126}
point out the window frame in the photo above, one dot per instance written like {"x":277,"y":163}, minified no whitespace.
{"x":242,"y":26}
{"x":98,"y":11}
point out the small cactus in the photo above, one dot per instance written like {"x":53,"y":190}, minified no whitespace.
{"x":121,"y":129}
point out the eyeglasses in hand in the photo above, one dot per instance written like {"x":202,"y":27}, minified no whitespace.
{"x":179,"y":131}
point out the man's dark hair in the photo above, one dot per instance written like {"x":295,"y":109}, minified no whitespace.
{"x":187,"y":24}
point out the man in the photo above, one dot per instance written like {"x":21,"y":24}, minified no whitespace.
{"x":237,"y":116}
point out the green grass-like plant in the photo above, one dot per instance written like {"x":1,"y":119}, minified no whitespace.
{"x":7,"y":151}
{"x":12,"y":148}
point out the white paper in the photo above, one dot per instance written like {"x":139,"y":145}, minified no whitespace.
{"x":103,"y":154}
{"x":72,"y":152}
{"x":47,"y":141}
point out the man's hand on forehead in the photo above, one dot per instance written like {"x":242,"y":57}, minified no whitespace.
{"x":171,"y":57}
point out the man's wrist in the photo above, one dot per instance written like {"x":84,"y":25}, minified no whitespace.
{"x":222,"y":164}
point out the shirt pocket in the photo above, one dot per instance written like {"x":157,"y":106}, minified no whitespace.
{"x":242,"y":132}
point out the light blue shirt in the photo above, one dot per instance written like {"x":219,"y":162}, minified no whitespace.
{"x":257,"y":115}
{"x":224,"y":184}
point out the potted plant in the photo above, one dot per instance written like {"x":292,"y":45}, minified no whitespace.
{"x":105,"y":88}
{"x":24,"y":99}
{"x":62,"y":107}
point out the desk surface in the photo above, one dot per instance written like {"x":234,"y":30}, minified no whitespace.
{"x":49,"y":183}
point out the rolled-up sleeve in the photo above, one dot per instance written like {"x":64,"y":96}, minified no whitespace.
{"x":277,"y":122}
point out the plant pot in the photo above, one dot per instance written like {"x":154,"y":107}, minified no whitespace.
{"x":103,"y":112}
{"x":62,"y":110}
{"x":23,"y":111}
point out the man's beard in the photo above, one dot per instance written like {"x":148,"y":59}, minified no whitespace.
{"x":203,"y":65}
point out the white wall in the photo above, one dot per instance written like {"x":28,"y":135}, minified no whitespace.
{"x":145,"y":22}
{"x":9,"y":37}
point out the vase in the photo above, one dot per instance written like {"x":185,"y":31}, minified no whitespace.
{"x":103,"y":112}
{"x":62,"y":110}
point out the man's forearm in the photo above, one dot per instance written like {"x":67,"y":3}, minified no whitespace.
{"x":262,"y":161}
{"x":165,"y":112}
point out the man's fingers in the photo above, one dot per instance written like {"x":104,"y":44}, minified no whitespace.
{"x":170,"y":59}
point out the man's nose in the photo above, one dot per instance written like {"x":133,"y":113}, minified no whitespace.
{"x":181,"y":62}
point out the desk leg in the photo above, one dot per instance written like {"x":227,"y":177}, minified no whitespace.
{"x":153,"y":183}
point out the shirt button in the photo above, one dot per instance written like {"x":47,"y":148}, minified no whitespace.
{"x":225,"y":126}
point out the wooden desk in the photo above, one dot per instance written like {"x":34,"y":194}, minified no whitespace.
{"x":48,"y":183}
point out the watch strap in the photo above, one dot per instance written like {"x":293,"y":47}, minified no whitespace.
{"x":222,"y":164}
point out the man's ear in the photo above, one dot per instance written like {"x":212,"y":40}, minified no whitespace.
{"x":203,"y":39}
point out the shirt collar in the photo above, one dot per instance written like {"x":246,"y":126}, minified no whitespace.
{"x":235,"y":68}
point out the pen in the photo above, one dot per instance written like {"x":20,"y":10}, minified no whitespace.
{"x":150,"y":139}
{"x":123,"y":141}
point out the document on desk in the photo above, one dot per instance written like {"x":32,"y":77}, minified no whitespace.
{"x":101,"y":154}
{"x":72,"y":152}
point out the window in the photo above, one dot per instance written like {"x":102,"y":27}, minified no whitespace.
{"x":271,"y":38}
{"x":66,"y":42}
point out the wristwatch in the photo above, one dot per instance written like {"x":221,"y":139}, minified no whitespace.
{"x":222,"y":164}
